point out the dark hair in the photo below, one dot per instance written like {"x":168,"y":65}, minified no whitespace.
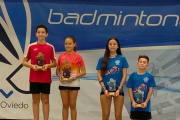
{"x":107,"y":53}
{"x":42,"y":26}
{"x":144,"y":56}
{"x":73,"y":39}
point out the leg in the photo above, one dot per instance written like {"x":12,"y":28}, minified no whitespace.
{"x":118,"y":105}
{"x":105,"y":105}
{"x":73,"y":97}
{"x":65,"y":102}
{"x":45,"y":105}
{"x":35,"y":102}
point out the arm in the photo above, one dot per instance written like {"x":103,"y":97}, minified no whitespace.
{"x":101,"y":83}
{"x":26,"y":64}
{"x":58,"y":73}
{"x":101,"y":80}
{"x":148,"y":97}
{"x":57,"y":70}
{"x":82,"y":69}
{"x":132,"y":97}
{"x":51,"y":65}
{"x":53,"y":61}
{"x":82,"y":73}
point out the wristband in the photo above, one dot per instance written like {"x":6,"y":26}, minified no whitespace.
{"x":74,"y":77}
{"x":104,"y":88}
{"x":100,"y":81}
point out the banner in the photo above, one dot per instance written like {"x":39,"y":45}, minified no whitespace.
{"x":141,"y":29}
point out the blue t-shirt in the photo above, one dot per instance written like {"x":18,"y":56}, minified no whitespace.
{"x":140,"y":85}
{"x":114,"y":70}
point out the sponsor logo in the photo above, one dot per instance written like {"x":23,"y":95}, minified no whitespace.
{"x":142,"y":87}
{"x":146,"y":79}
{"x":113,"y":70}
{"x":12,"y":53}
{"x":140,"y":19}
{"x":117,"y":62}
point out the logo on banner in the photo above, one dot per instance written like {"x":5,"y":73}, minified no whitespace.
{"x":11,"y":54}
{"x":6,"y":95}
{"x":96,"y":18}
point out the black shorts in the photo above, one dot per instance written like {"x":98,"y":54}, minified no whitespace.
{"x":144,"y":115}
{"x":36,"y":88}
{"x":68,"y":88}
{"x":120,"y":93}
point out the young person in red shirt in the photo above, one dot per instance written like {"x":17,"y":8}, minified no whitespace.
{"x":40,"y":74}
{"x":71,"y":66}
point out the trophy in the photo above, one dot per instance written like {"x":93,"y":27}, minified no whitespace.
{"x":40,"y":60}
{"x":139,"y":98}
{"x":111,"y":87}
{"x":66,"y":71}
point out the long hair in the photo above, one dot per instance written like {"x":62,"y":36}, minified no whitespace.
{"x":74,"y":41}
{"x":107,"y":53}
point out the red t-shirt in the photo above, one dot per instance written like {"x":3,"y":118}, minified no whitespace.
{"x":49,"y":54}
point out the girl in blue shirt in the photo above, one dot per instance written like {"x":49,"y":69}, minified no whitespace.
{"x":112,"y":73}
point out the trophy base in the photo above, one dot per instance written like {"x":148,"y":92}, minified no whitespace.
{"x":65,"y":79}
{"x":40,"y":67}
{"x":112,"y":93}
{"x":139,"y":105}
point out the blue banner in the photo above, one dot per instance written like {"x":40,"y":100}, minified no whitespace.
{"x":152,"y":23}
{"x":92,"y":25}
